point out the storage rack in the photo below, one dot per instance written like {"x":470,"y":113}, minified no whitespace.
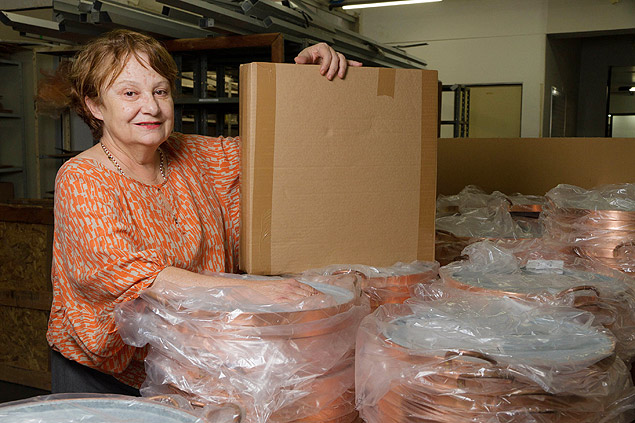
{"x":304,"y":21}
{"x":12,"y":150}
{"x":461,"y":118}
{"x":206,"y":101}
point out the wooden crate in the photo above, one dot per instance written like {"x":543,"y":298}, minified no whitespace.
{"x":26,"y":236}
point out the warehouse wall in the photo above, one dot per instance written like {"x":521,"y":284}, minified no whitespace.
{"x":494,"y":41}
{"x":597,"y":56}
{"x":562,"y":71}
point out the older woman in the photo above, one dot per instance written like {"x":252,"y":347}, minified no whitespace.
{"x":143,"y":206}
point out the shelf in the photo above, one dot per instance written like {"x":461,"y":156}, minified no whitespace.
{"x":206,"y":101}
{"x":10,"y":169}
{"x":10,"y":115}
{"x":4,"y":62}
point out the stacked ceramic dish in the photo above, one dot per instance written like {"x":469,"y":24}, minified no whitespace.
{"x":492,"y":270}
{"x":282,"y":362}
{"x":598,"y":224}
{"x":473,"y":216}
{"x":384,"y":285}
{"x":94,"y":408}
{"x":488,"y":359}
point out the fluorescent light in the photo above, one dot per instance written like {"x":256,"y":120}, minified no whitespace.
{"x":386,"y":3}
{"x":632,"y":89}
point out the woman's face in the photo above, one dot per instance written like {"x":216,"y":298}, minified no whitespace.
{"x":137,"y":108}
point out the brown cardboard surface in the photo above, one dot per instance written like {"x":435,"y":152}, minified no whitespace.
{"x":533,"y":165}
{"x":339,"y":171}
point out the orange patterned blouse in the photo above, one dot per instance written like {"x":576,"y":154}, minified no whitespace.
{"x":113,"y":235}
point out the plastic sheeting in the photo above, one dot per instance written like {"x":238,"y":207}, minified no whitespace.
{"x":497,"y":271}
{"x":472,"y":215}
{"x":384,"y":285}
{"x":598,"y":224}
{"x":279,"y":362}
{"x":96,"y":408}
{"x":472,"y":197}
{"x":467,"y":358}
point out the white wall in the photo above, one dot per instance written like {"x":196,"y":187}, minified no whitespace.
{"x":493,"y":41}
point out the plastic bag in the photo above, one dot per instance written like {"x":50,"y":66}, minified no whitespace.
{"x":465,"y":358}
{"x":384,"y":285}
{"x":539,"y":275}
{"x":476,"y":216}
{"x":597,"y":224}
{"x":279,"y":362}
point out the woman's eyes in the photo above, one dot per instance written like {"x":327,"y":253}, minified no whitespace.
{"x":158,"y":92}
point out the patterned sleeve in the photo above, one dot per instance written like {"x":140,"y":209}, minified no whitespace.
{"x":219,"y":159}
{"x":95,"y":266}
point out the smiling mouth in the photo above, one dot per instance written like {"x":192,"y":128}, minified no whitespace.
{"x":148,"y":123}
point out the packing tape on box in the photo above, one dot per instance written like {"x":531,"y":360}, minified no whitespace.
{"x":264,"y":156}
{"x":386,"y":82}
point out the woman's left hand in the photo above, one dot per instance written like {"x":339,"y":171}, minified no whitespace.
{"x":332,"y":62}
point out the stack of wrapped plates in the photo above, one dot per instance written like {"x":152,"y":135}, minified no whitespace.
{"x":487,"y":359}
{"x":101,"y":408}
{"x":284,"y":362}
{"x":611,"y":300}
{"x":597,"y":224}
{"x":384,"y":285}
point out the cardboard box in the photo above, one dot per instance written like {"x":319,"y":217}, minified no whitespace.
{"x":339,"y":171}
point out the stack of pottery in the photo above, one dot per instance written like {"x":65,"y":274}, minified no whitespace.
{"x":488,"y":359}
{"x":472,"y":216}
{"x":597,"y":224}
{"x":385,"y":285}
{"x":281,"y":362}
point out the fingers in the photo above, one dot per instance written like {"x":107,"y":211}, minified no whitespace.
{"x":289,"y":290}
{"x":301,"y":289}
{"x":343,"y":64}
{"x":327,"y":57}
{"x":301,"y":59}
{"x":331,"y":62}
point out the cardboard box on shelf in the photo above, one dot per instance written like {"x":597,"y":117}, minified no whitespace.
{"x":340,"y":171}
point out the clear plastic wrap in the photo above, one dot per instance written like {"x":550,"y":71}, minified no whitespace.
{"x":598,"y":224}
{"x":471,"y":197}
{"x":619,"y":197}
{"x":454,"y":233}
{"x":384,"y":285}
{"x":466,"y":358}
{"x":280,"y":362}
{"x":540,"y":276}
{"x":97,"y":408}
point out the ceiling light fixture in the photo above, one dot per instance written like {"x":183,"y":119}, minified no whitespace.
{"x":362,"y":5}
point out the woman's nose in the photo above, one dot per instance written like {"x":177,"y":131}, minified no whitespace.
{"x":150,"y":104}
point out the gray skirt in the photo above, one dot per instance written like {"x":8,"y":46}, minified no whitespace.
{"x":68,"y":376}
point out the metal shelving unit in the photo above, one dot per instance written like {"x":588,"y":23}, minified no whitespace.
{"x":461,"y":117}
{"x":206,"y":101}
{"x":12,"y":146}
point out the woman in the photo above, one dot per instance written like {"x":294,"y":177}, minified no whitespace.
{"x":144,"y":206}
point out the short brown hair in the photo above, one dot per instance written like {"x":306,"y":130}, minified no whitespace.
{"x":99,"y":63}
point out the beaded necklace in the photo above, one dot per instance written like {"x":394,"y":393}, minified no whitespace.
{"x":114,"y":161}
{"x":164,"y":200}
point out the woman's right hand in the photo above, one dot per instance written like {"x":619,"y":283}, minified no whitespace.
{"x":281,"y":291}
{"x":268,"y":290}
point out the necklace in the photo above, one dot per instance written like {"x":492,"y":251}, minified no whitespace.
{"x":114,"y":161}
{"x":163,"y":199}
